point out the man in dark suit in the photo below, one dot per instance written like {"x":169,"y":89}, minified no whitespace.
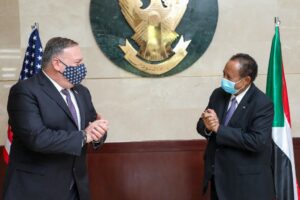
{"x":53,"y":119}
{"x":238,"y":126}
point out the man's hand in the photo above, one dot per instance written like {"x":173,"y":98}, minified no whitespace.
{"x":210,"y":120}
{"x":96,"y":129}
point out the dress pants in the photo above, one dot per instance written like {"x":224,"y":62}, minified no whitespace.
{"x":73,"y":195}
{"x":213,"y":191}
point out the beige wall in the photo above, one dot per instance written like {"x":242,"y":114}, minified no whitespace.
{"x":154,"y":109}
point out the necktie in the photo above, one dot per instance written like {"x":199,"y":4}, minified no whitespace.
{"x":70,"y":105}
{"x":230,"y":111}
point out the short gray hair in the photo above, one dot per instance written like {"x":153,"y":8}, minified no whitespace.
{"x":54,"y":47}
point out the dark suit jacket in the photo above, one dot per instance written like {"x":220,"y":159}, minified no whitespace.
{"x":239,"y":154}
{"x":46,"y":152}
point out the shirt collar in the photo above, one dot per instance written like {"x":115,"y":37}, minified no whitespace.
{"x":240,"y":96}
{"x":56,"y":85}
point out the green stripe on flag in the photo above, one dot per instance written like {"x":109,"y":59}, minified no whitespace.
{"x":274,"y":80}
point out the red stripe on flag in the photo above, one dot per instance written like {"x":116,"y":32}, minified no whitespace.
{"x":5,"y":156}
{"x":298,"y":190}
{"x":8,"y":141}
{"x":285,"y":99}
{"x":9,"y":134}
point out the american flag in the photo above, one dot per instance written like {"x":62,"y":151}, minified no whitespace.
{"x":33,"y":57}
{"x":32,"y":64}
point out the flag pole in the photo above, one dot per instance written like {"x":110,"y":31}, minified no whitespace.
{"x":277,"y":21}
{"x":35,"y":26}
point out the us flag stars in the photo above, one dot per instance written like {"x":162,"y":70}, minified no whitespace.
{"x":33,"y":57}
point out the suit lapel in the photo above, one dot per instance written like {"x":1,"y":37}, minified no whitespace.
{"x":243,"y":104}
{"x":80,"y":104}
{"x":52,"y":92}
{"x":223,"y":106}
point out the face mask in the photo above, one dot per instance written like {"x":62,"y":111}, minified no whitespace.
{"x":74,"y":74}
{"x":229,"y":86}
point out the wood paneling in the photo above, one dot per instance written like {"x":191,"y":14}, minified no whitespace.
{"x":147,"y":170}
{"x":160,"y":170}
{"x":296,"y":143}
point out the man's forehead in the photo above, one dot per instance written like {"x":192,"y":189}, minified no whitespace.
{"x":72,"y":52}
{"x":72,"y":49}
{"x":233,"y":65}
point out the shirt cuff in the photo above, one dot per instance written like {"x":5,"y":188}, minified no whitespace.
{"x":84,"y":137}
{"x":207,"y":133}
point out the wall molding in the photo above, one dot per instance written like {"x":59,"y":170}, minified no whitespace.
{"x":151,"y":146}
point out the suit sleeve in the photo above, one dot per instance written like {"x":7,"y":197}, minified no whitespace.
{"x":257,"y":135}
{"x":200,"y":125}
{"x":98,"y":144}
{"x":201,"y":128}
{"x":28,"y":127}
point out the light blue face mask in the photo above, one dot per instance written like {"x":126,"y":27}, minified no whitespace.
{"x":229,"y":86}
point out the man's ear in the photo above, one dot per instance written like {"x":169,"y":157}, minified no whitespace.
{"x":57,"y":65}
{"x":248,"y":80}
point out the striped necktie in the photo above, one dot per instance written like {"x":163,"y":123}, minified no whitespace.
{"x":230,"y":111}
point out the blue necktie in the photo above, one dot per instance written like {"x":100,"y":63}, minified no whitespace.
{"x":230,"y":111}
{"x":70,"y":105}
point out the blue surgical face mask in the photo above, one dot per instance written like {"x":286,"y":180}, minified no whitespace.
{"x":74,"y":74}
{"x":229,"y":86}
